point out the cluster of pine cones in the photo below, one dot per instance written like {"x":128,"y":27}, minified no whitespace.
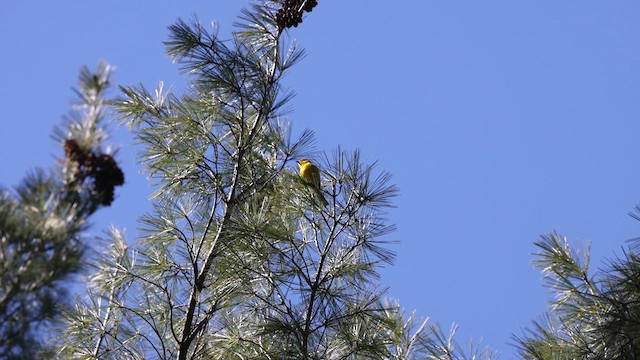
{"x":290,"y":14}
{"x":102,"y":168}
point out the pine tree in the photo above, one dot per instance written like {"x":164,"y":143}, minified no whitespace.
{"x":41,"y":223}
{"x":237,"y":260}
{"x":593,"y":316}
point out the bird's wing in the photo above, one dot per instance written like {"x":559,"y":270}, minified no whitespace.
{"x":315,"y":177}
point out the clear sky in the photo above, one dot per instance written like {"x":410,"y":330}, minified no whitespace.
{"x":500,"y":120}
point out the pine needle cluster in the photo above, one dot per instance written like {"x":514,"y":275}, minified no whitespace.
{"x":593,"y":316}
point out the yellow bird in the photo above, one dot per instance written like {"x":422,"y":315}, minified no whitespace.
{"x":311,"y":175}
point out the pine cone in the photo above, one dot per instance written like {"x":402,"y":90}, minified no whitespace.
{"x":108,"y":167}
{"x":70,"y":148}
{"x":73,"y":151}
{"x":309,"y":5}
{"x":103,"y":169}
{"x":107,"y":176}
{"x":290,"y":14}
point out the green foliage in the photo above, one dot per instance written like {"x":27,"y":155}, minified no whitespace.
{"x":236,"y":260}
{"x":592,"y":317}
{"x":40,"y":229}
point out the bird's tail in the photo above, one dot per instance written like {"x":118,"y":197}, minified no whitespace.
{"x":323,"y":200}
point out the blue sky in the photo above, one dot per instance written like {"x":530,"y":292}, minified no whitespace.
{"x":499,"y":120}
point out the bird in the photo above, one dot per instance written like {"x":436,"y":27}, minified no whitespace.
{"x":311,"y":176}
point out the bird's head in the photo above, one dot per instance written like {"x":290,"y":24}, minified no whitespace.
{"x":302,"y":162}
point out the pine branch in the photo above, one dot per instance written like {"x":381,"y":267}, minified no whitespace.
{"x":40,"y":239}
